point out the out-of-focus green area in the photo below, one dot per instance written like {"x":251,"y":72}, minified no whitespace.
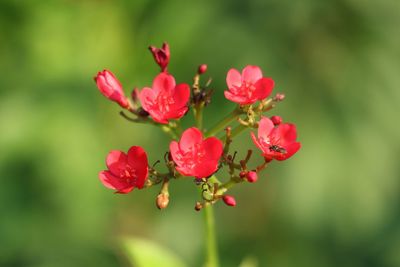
{"x":335,"y":203}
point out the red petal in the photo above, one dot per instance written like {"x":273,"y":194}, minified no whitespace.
{"x":112,"y":81}
{"x":290,"y":151}
{"x":181,"y":95}
{"x":113,"y":182}
{"x":251,"y":74}
{"x":238,"y":99}
{"x":116,"y":162}
{"x":264,"y":88}
{"x":286,"y":133}
{"x":189,"y":138}
{"x":163,"y":82}
{"x":137,"y":159}
{"x":256,"y":142}
{"x":233,"y":78}
{"x":213,"y":148}
{"x":146,"y":97}
{"x":205,"y":169}
{"x":265,"y":126}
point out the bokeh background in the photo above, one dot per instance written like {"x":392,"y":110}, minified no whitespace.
{"x":335,"y":203}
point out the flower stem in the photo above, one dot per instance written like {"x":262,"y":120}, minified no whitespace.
{"x":224,"y":122}
{"x":211,"y":242}
{"x":198,"y":116}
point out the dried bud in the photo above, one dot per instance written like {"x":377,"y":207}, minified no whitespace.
{"x":276,"y":120}
{"x":202,"y":69}
{"x":229,"y":200}
{"x":162,"y":200}
{"x":198,"y":206}
{"x":135,"y":94}
{"x":161,"y":56}
{"x":279,"y":97}
{"x":243,"y":174}
{"x":252,"y":177}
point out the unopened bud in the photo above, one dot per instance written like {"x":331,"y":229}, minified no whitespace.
{"x":198,"y":206}
{"x":279,"y":97}
{"x":242,"y":174}
{"x":229,"y":200}
{"x":276,"y":120}
{"x":252,"y":177}
{"x":162,"y":201}
{"x":202,"y":69}
{"x":161,"y":55}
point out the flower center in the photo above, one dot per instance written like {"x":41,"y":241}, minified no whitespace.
{"x":128,"y":174}
{"x":164,"y":102}
{"x":193,"y":156}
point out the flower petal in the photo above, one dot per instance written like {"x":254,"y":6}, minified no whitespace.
{"x":264,"y":88}
{"x":181,"y":95}
{"x":265,"y":126}
{"x":233,"y":78}
{"x":189,"y":138}
{"x":290,"y":151}
{"x":256,"y":142}
{"x":205,"y":168}
{"x":237,"y":99}
{"x":137,"y":159}
{"x":116,"y":162}
{"x":113,"y":182}
{"x":175,"y":152}
{"x":163,"y":82}
{"x":251,"y":74}
{"x":213,"y":148}
{"x":286,"y":132}
{"x":147,"y":97}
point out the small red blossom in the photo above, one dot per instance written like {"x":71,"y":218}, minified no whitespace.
{"x":165,"y":100}
{"x":125,"y":171}
{"x":229,"y":200}
{"x":252,"y":177}
{"x":248,"y":87}
{"x":195,"y":156}
{"x":202,"y":69}
{"x":111,"y":88}
{"x":276,"y":120}
{"x":161,"y":56}
{"x":276,"y":142}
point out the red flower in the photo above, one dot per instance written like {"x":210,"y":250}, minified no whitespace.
{"x":165,"y":100}
{"x":276,"y":142}
{"x":195,"y":156}
{"x":125,"y":171}
{"x":248,"y":87}
{"x":161,"y":56}
{"x":111,"y":88}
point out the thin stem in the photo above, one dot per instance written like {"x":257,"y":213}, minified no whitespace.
{"x":211,"y":242}
{"x":198,"y":116}
{"x":224,"y":122}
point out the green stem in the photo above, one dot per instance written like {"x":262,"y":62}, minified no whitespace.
{"x":198,"y":116}
{"x":211,"y":241}
{"x":224,"y":122}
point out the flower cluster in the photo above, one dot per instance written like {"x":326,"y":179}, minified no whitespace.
{"x":197,"y":152}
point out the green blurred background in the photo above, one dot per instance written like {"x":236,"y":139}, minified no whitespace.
{"x":335,"y":203}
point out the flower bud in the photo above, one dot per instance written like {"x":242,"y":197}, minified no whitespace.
{"x":162,"y":200}
{"x":161,"y":56}
{"x":198,"y":206}
{"x":279,"y":97}
{"x":202,"y":69}
{"x":229,"y":200}
{"x":242,"y":174}
{"x":252,"y":177}
{"x":111,"y":88}
{"x":276,"y":120}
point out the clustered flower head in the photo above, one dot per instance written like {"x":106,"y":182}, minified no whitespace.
{"x":202,"y":153}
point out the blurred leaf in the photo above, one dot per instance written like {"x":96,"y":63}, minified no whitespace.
{"x":145,"y":253}
{"x":249,"y":262}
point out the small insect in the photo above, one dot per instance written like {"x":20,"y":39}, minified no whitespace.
{"x":278,"y":149}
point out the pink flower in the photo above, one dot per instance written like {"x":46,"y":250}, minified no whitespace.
{"x":161,"y":56}
{"x":248,"y":87}
{"x":165,"y":100}
{"x":125,"y":171}
{"x":111,"y":88}
{"x":195,"y":156}
{"x":276,"y":142}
